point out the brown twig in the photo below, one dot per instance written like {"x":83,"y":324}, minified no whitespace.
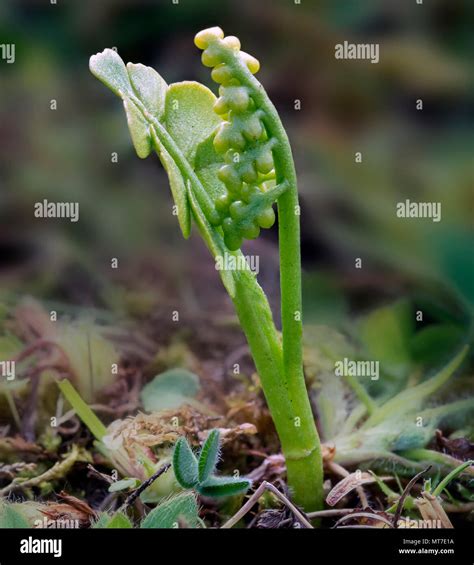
{"x":406,"y":492}
{"x":329,"y":513}
{"x":102,"y":476}
{"x":342,"y":472}
{"x":367,"y":515}
{"x":137,"y":492}
{"x":254,"y":498}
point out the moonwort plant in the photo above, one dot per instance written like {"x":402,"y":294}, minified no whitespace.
{"x":228,"y":161}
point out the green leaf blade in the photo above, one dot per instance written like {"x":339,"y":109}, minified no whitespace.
{"x":124,"y":484}
{"x":185,"y":464}
{"x":224,"y":486}
{"x":81,"y":408}
{"x":109,"y":68}
{"x":167,"y":515}
{"x":12,"y":518}
{"x":119,"y":521}
{"x":177,"y":185}
{"x":209,"y":456}
{"x":139,"y":129}
{"x":189,"y":115}
{"x":150,"y":88}
{"x":170,"y":389}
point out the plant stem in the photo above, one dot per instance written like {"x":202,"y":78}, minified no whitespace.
{"x":451,"y":476}
{"x":300,"y":441}
{"x":82,"y":409}
{"x":296,"y":432}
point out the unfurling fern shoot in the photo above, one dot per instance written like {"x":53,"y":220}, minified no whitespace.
{"x":228,"y":161}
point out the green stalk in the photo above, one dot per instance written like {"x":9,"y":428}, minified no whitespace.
{"x":296,"y":433}
{"x":81,"y":408}
{"x":302,"y":449}
{"x":454,"y":473}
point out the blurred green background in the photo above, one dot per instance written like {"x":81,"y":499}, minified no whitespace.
{"x":348,"y":209}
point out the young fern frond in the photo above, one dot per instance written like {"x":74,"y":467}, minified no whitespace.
{"x":243,"y":140}
{"x":228,"y":161}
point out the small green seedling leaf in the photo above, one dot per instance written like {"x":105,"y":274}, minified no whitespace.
{"x":12,"y":518}
{"x":411,"y":398}
{"x":170,"y":389}
{"x":102,"y":521}
{"x":209,"y":456}
{"x":189,"y":115}
{"x":386,"y":334}
{"x":169,"y":513}
{"x":123,"y":485}
{"x":224,"y":486}
{"x":185,"y":464}
{"x":119,"y":521}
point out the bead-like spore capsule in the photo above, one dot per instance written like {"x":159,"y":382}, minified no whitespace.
{"x":231,"y":238}
{"x":252,"y":63}
{"x":249,"y":192}
{"x":231,"y":42}
{"x":266,"y":219}
{"x":220,"y":107}
{"x":248,"y":173}
{"x":238,"y":210}
{"x":230,"y":177}
{"x":222,"y":74}
{"x":264,"y":162}
{"x":237,"y":98}
{"x":252,"y":231}
{"x":242,"y":139}
{"x":207,"y":36}
{"x":228,"y":137}
{"x":222,"y":204}
{"x":211,"y":56}
{"x":252,"y":128}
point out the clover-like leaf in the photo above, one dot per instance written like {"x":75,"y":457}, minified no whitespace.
{"x":170,"y":389}
{"x":185,"y":464}
{"x":189,"y":115}
{"x":137,"y":84}
{"x":150,"y":88}
{"x":183,"y":506}
{"x":123,"y":484}
{"x":12,"y":517}
{"x":209,"y":456}
{"x":119,"y":521}
{"x":109,"y":68}
{"x":224,"y":486}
